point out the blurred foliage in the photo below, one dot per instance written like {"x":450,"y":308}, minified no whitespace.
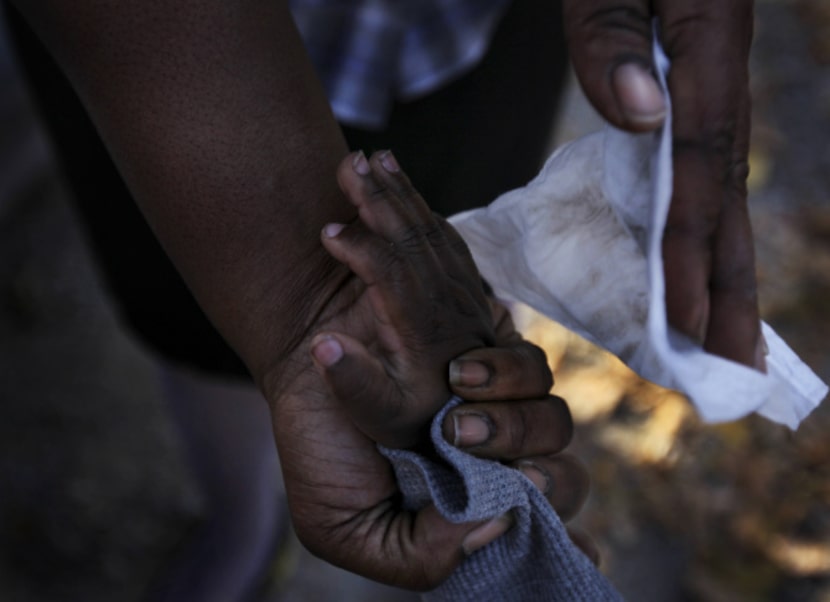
{"x":749,"y":501}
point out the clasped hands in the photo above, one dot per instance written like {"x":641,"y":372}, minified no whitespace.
{"x":415,"y":309}
{"x":412,"y":317}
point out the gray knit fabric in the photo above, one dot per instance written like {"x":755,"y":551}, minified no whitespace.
{"x":533,"y":561}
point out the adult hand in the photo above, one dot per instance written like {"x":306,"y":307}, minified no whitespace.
{"x":382,"y":351}
{"x":707,"y":245}
{"x":227,"y":142}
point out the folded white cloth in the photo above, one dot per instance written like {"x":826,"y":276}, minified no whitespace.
{"x":582,"y":244}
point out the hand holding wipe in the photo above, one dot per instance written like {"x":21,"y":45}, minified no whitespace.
{"x":582,"y":244}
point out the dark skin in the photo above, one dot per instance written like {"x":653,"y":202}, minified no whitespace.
{"x":708,"y":250}
{"x":419,"y":304}
{"x":213,"y":115}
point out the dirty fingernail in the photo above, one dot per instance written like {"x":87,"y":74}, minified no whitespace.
{"x":639,"y":95}
{"x":332,"y":230}
{"x":360,"y":164}
{"x":470,"y":429}
{"x":468,"y":373}
{"x":390,"y":164}
{"x":539,"y":477}
{"x":327,"y":351}
{"x":486,"y":533}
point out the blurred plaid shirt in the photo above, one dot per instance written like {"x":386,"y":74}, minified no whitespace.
{"x":369,"y":53}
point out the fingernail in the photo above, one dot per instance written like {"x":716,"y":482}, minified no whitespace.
{"x":486,"y":533}
{"x":327,"y":351}
{"x":360,"y":164}
{"x":390,"y":164}
{"x":639,"y":95}
{"x":539,"y":477}
{"x":332,"y":230}
{"x":468,"y":373}
{"x":471,"y":428}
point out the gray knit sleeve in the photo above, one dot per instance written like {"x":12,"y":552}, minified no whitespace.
{"x":534,"y":561}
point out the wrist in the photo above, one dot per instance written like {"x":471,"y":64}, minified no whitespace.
{"x":312,"y":302}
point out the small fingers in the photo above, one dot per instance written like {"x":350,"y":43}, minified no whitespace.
{"x":378,"y":206}
{"x":391,"y":279}
{"x":388,"y":170}
{"x":510,"y":430}
{"x":386,"y":200}
{"x":519,"y":371}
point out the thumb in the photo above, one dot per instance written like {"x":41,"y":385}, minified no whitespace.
{"x":358,"y":381}
{"x":418,"y":551}
{"x":610,"y":42}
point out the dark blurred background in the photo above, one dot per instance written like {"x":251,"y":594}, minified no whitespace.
{"x":98,"y":496}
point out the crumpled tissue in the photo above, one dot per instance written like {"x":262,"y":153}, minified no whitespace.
{"x":582,"y":244}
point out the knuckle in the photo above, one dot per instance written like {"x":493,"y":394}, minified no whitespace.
{"x":434,"y":235}
{"x":701,"y":228}
{"x":407,"y":192}
{"x":598,"y":22}
{"x":683,"y":30}
{"x":378,"y":191}
{"x":714,"y":144}
{"x":385,"y":266}
{"x":517,"y":432}
{"x":738,"y":280}
{"x":419,"y":237}
{"x":411,"y":237}
{"x":463,"y":302}
{"x":729,"y":163}
{"x":692,"y":22}
{"x":715,"y":154}
{"x":563,"y":417}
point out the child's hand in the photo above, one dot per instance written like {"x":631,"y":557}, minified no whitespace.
{"x":383,"y":348}
{"x":427,"y":298}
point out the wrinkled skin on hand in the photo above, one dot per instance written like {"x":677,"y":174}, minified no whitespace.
{"x":707,"y":246}
{"x":428,"y":306}
{"x":382,"y":352}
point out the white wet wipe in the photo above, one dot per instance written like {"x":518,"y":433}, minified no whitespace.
{"x":581,"y":243}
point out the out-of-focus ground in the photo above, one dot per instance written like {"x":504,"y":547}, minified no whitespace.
{"x":740,"y":511}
